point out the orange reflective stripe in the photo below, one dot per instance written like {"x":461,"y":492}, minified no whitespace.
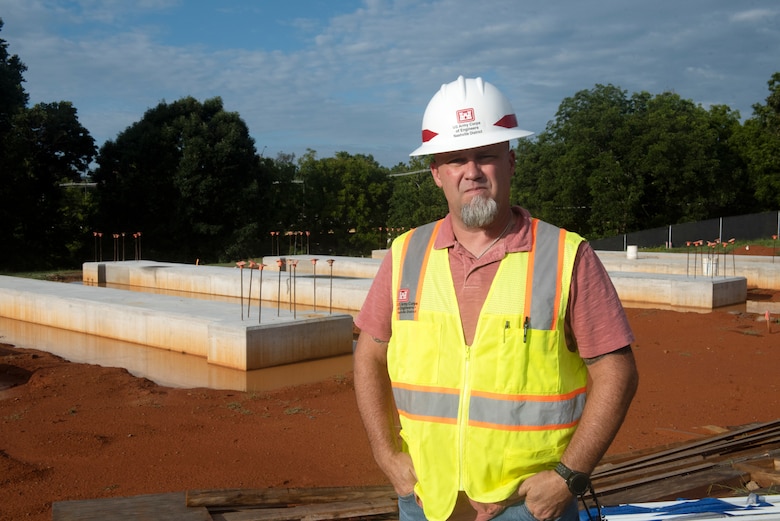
{"x":424,"y":265}
{"x":427,"y":403}
{"x":522,"y":428}
{"x":425,"y":388}
{"x":559,"y":279}
{"x":415,"y":252}
{"x":529,"y":283}
{"x":429,"y":419}
{"x":526,"y":412}
{"x":546,"y":275}
{"x":525,"y":397}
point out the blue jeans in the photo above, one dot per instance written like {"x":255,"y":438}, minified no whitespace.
{"x":409,"y":510}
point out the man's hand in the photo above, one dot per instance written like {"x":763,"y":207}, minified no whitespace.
{"x":377,"y":409}
{"x":399,"y":470}
{"x":546,"y":495}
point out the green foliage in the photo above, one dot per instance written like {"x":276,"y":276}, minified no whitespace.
{"x":415,"y":197}
{"x":45,"y":147}
{"x":610,"y":164}
{"x":187,"y":177}
{"x":13,"y":97}
{"x":759,"y":142}
{"x":344,"y":203}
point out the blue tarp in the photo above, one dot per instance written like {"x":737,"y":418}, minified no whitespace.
{"x":681,"y":508}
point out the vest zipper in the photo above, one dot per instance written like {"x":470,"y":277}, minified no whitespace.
{"x":463,"y":417}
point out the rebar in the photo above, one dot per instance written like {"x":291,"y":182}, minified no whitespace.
{"x":260,"y":295}
{"x":314,"y":268}
{"x":240,"y":265}
{"x":294,"y":264}
{"x":279,"y":288}
{"x":252,"y":265}
{"x":330,"y":263}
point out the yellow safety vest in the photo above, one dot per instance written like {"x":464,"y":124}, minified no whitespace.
{"x":485,"y":417}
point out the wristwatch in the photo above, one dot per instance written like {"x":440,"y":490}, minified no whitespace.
{"x":578,"y":482}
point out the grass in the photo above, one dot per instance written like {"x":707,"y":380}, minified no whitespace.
{"x":50,"y":275}
{"x":238,"y":407}
{"x":769,"y":243}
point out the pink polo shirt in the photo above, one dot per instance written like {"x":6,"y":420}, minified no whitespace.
{"x":595,"y":322}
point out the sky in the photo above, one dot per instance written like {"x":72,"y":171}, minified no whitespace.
{"x":356,"y":75}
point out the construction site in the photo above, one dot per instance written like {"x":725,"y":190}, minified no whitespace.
{"x":273,"y":340}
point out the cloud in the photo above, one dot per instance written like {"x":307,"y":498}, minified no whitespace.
{"x":356,"y":76}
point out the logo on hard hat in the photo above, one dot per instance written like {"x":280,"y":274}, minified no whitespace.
{"x":465,"y":115}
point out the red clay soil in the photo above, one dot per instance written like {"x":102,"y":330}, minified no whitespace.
{"x":79,"y":431}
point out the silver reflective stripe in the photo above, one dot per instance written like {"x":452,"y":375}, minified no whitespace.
{"x":428,"y":404}
{"x":526,"y":413}
{"x":412,"y":266}
{"x":545,"y":278}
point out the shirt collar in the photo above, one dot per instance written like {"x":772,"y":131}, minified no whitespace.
{"x":518,"y":238}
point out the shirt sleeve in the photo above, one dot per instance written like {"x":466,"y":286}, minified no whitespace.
{"x":596,"y":321}
{"x":376,"y":313}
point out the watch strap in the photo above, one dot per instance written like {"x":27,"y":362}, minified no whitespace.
{"x":577,"y":482}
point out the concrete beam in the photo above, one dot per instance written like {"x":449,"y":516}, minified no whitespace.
{"x":211,"y":329}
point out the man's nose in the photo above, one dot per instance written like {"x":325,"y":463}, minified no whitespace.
{"x":472,"y":169}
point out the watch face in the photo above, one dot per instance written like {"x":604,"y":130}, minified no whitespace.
{"x":579,"y":483}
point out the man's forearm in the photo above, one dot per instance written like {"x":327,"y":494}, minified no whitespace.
{"x":614,"y":380}
{"x":374,"y":396}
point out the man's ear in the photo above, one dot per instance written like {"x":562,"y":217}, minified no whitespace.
{"x":512,"y":161}
{"x":435,"y":174}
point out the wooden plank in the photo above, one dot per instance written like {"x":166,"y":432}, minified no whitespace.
{"x":717,"y":429}
{"x":315,"y":512}
{"x":606,"y":481}
{"x":285,"y":496}
{"x":755,"y":434}
{"x":764,"y":475}
{"x":697,"y":485}
{"x":147,"y":507}
{"x":649,"y":480}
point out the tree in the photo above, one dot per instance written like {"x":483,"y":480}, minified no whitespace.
{"x":576,"y":169}
{"x":13,"y":97}
{"x":610,"y":164}
{"x":46,"y":147}
{"x":345,"y":201}
{"x":759,"y":145}
{"x":186,"y":177}
{"x":415,"y":199}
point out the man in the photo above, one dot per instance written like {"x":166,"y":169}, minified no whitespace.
{"x":482,"y":335}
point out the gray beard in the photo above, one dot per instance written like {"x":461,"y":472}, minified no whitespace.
{"x":479,"y":212}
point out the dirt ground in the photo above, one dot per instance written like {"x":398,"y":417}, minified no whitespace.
{"x":79,"y":431}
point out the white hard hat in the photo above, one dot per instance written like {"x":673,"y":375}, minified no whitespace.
{"x":467,"y":113}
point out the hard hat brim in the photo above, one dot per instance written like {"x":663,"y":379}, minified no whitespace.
{"x":440,"y":144}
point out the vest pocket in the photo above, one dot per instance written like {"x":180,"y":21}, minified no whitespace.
{"x":528,"y":361}
{"x":523,"y":463}
{"x":414,"y":354}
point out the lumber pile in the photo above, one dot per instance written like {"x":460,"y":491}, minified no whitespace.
{"x":730,"y":463}
{"x":726,"y":464}
{"x":306,"y":504}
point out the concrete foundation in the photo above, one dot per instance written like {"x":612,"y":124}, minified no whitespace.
{"x":306,"y":313}
{"x":345,"y":290}
{"x":210,"y":329}
{"x":662,"y":284}
{"x":679,"y":291}
{"x":758,"y":271}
